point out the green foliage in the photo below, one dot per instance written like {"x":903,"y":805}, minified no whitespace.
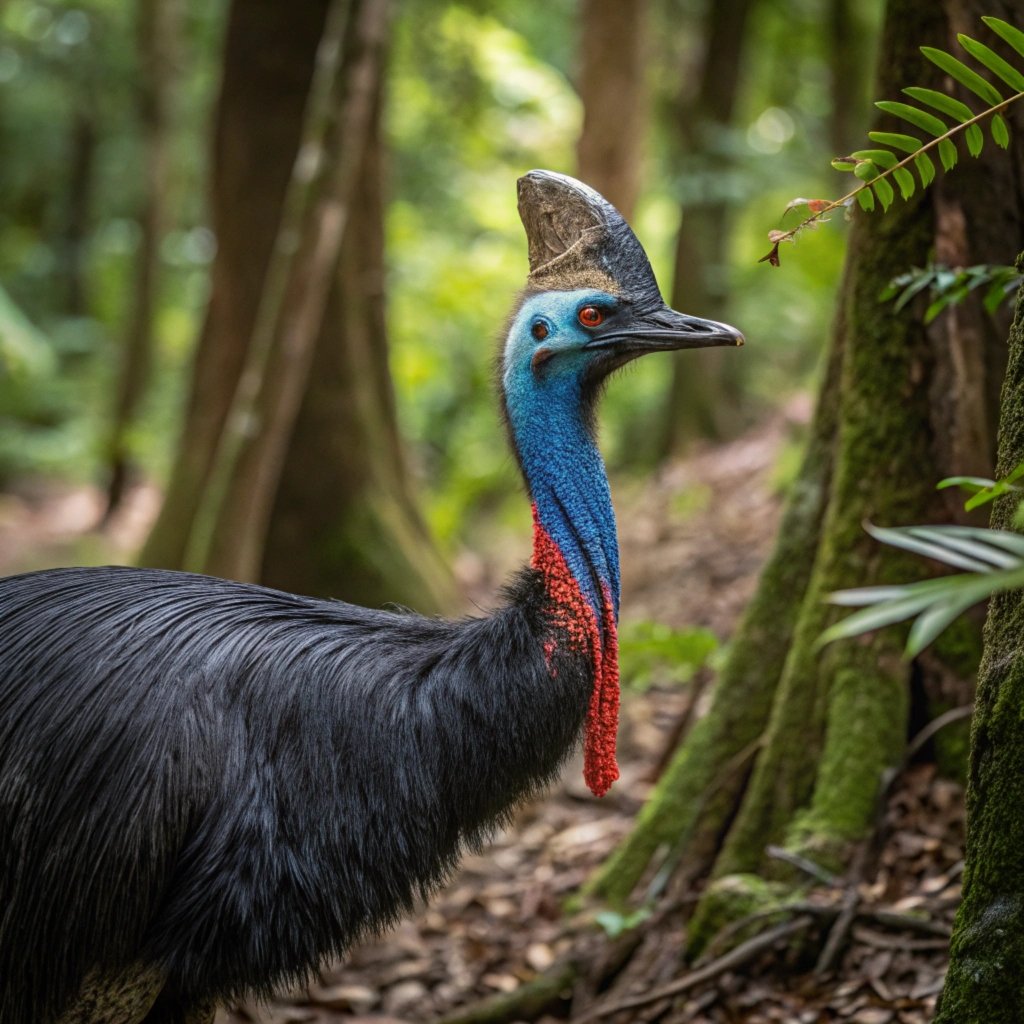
{"x":614,"y":924}
{"x":982,"y":490}
{"x":874,"y":167}
{"x":651,"y":652}
{"x":950,"y":286}
{"x":993,"y":560}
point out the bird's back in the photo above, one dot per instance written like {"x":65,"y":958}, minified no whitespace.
{"x":256,"y":777}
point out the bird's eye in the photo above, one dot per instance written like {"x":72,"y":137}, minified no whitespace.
{"x":591,"y":316}
{"x":539,"y":330}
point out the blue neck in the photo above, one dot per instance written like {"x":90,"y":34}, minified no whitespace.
{"x":568,"y":483}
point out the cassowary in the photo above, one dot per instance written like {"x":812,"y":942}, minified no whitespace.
{"x":209,"y":788}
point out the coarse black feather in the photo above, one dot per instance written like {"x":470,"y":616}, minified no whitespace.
{"x":231,"y":783}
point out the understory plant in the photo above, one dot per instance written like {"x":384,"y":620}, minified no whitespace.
{"x":936,"y":114}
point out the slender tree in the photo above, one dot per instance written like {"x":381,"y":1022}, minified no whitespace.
{"x":613,"y":87}
{"x":156,"y":31}
{"x":276,"y":283}
{"x":798,"y":739}
{"x":698,"y":402}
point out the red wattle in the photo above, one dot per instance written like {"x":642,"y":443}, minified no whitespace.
{"x":574,"y":615}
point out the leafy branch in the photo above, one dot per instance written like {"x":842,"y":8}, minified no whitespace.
{"x":875,"y":167}
{"x":993,"y":561}
{"x":948,"y":286}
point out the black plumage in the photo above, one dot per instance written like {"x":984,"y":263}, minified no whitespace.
{"x":208,"y":787}
{"x":277,"y":775}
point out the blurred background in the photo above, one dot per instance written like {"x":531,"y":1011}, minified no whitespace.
{"x":147,"y":149}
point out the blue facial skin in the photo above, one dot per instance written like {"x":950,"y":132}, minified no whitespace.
{"x":559,"y":454}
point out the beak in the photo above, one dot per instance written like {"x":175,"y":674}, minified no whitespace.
{"x":664,"y":330}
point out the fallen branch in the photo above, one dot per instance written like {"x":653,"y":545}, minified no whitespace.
{"x":527,"y":1002}
{"x":743,"y":953}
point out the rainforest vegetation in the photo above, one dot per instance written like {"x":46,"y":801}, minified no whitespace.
{"x":255,"y":262}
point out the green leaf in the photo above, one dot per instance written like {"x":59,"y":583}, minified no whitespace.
{"x":966,"y":483}
{"x":919,"y":118}
{"x":905,"y":180}
{"x":906,"y":143}
{"x":878,"y":615}
{"x":975,"y":140}
{"x":840,"y":164}
{"x":881,"y":157}
{"x":866,"y":170}
{"x":963,"y":74}
{"x":935,"y":308}
{"x":947,"y":154}
{"x":973,"y":547}
{"x":884,"y":192}
{"x":866,"y":199}
{"x":902,"y":538}
{"x":917,"y":285}
{"x":1013,"y":542}
{"x":925,"y":168}
{"x":1000,"y":133}
{"x":1007,"y":32}
{"x":940,"y":101}
{"x":930,"y":623}
{"x":983,"y":55}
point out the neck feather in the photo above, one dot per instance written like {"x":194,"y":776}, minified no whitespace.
{"x":576,"y":550}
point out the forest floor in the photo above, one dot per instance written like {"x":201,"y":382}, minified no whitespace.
{"x":693,"y":540}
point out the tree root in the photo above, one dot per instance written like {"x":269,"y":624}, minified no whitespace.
{"x":527,"y":1002}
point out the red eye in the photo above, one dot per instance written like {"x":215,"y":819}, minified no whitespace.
{"x":539,"y":330}
{"x":590,"y":316}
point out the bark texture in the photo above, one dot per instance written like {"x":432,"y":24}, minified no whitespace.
{"x":701,"y":399}
{"x":983,"y":985}
{"x":223,"y":517}
{"x":612,"y":85}
{"x":798,"y":739}
{"x":156,"y":31}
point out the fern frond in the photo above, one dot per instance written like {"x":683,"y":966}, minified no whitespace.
{"x":874,"y":167}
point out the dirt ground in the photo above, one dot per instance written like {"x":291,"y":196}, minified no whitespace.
{"x":693,"y":539}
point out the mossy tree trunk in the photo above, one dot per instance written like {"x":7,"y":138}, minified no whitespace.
{"x":797,"y":741}
{"x":270,"y":54}
{"x":983,"y":985}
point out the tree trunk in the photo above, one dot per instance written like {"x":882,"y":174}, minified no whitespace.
{"x":701,"y":399}
{"x":612,"y":85}
{"x":276,"y":286}
{"x":304,"y":264}
{"x":156,"y":31}
{"x":81,"y":174}
{"x":269,"y":53}
{"x":903,"y":405}
{"x":983,"y":985}
{"x":344,"y":518}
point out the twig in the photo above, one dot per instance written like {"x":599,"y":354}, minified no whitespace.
{"x":936,"y":724}
{"x":839,"y":931}
{"x":880,"y":940}
{"x":721,"y":937}
{"x":743,"y":953}
{"x":805,"y":864}
{"x":843,"y":200}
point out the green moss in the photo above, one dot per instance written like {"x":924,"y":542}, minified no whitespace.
{"x":730,"y":899}
{"x":983,"y":985}
{"x":866,"y":729}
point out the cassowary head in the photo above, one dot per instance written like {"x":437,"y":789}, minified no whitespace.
{"x":591,"y":304}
